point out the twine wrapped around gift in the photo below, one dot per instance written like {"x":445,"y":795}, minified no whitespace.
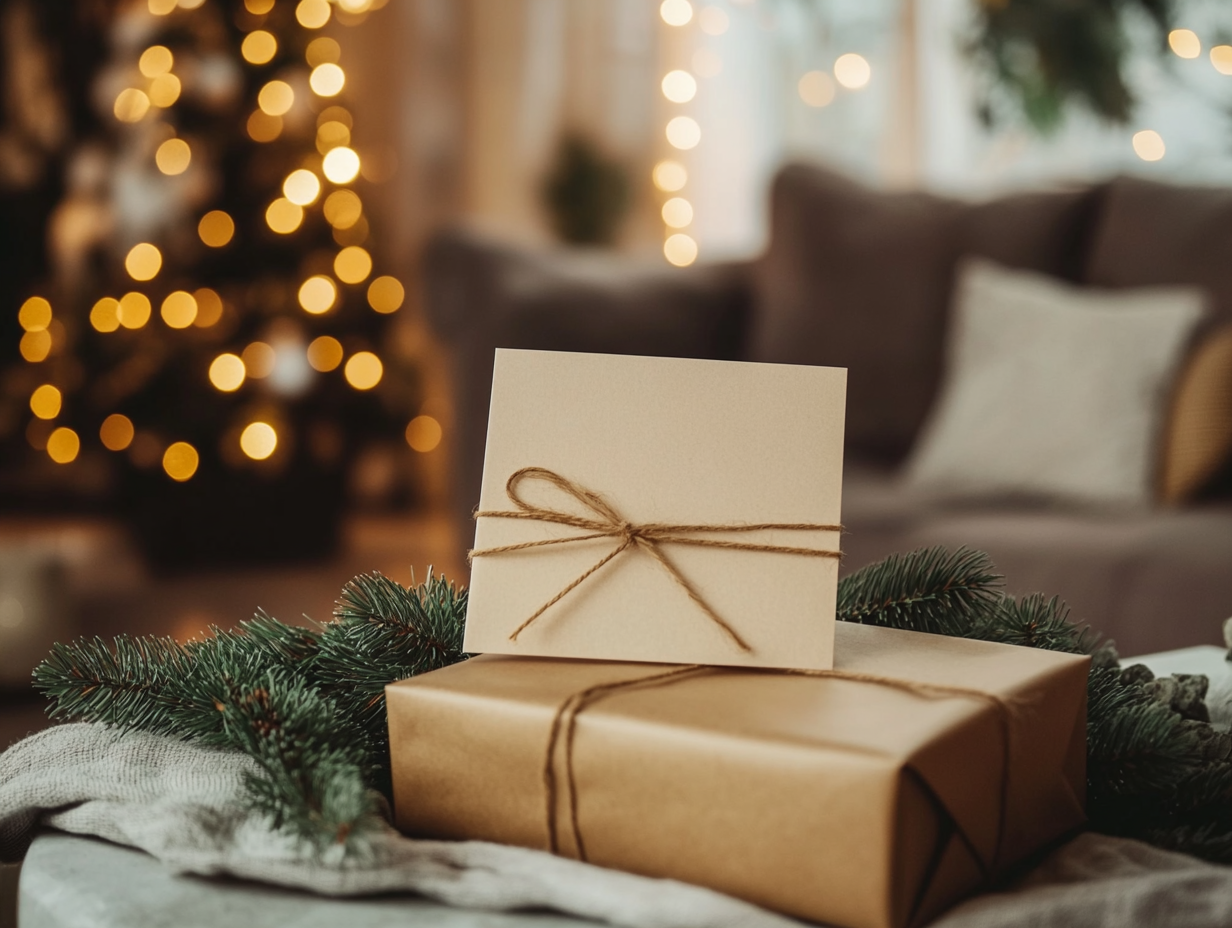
{"x":649,"y":537}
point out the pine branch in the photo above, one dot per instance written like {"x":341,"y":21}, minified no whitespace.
{"x":1036,"y":622}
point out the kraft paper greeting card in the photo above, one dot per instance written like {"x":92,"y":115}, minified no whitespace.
{"x":659,"y":509}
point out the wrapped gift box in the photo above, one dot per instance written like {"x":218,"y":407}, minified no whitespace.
{"x":873,"y":797}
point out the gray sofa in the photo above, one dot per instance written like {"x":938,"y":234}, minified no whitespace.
{"x":862,"y":279}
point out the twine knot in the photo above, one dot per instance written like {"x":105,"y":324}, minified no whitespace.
{"x":604,"y":521}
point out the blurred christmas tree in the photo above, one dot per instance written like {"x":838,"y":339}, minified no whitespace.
{"x":205,"y":332}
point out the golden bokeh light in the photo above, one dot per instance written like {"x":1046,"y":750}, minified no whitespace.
{"x":63,"y":445}
{"x":216,"y":228}
{"x":301,"y":187}
{"x":853,"y":71}
{"x":190,"y":4}
{"x":164,"y":90}
{"x":327,"y":80}
{"x":116,"y":432}
{"x":386,"y":294}
{"x":258,"y":440}
{"x":258,"y":7}
{"x":35,"y":314}
{"x":1185,"y":43}
{"x":343,"y":209}
{"x":336,"y":114}
{"x":363,"y":370}
{"x":276,"y":98}
{"x":341,"y":165}
{"x":283,"y":216}
{"x":143,"y":261}
{"x":179,"y":309}
{"x":105,"y":315}
{"x":180,"y":461}
{"x":679,"y":86}
{"x":131,"y":105}
{"x":677,"y":212}
{"x":262,"y":127}
{"x":323,"y":50}
{"x":352,"y":265}
{"x":173,"y":156}
{"x":816,"y":88}
{"x":356,"y":6}
{"x":134,"y":310}
{"x":35,"y":346}
{"x":713,"y":20}
{"x":683,"y":132}
{"x":259,"y":47}
{"x":317,"y":294}
{"x":1149,"y":145}
{"x":161,"y":7}
{"x":676,"y":12}
{"x":680,"y":250}
{"x":259,"y":359}
{"x":423,"y":434}
{"x":312,"y":14}
{"x":155,"y":60}
{"x":45,"y":401}
{"x":227,"y":372}
{"x":354,"y":234}
{"x":332,"y":134}
{"x":325,"y":353}
{"x":670,"y":176}
{"x":209,"y":307}
{"x":1221,"y":58}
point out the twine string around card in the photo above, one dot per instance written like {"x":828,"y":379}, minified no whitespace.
{"x":605,"y":521}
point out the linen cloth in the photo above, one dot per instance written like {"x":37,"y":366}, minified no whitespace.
{"x":183,"y":804}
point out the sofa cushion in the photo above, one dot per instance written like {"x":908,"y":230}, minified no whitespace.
{"x":861,"y":279}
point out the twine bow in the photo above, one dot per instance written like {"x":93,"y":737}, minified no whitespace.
{"x":607,"y":522}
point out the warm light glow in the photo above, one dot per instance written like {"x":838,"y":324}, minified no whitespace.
{"x":134,"y":310}
{"x":262,"y":127}
{"x":283,"y":216}
{"x":356,"y":6}
{"x":312,"y":14}
{"x":179,"y":309}
{"x":180,"y":461}
{"x":852,"y":71}
{"x":1185,"y":43}
{"x":259,"y":7}
{"x":35,"y":346}
{"x":105,"y":316}
{"x":164,"y":90}
{"x":1221,"y":58}
{"x":45,"y":402}
{"x":1149,"y":145}
{"x":683,"y":132}
{"x":355,"y":234}
{"x":327,"y":80}
{"x":423,"y":434}
{"x":276,"y":98}
{"x":677,"y":212}
{"x":325,"y":353}
{"x":258,"y":440}
{"x":190,"y":4}
{"x":676,"y":12}
{"x":317,"y":295}
{"x":216,"y":228}
{"x":341,"y":165}
{"x":679,"y":86}
{"x":161,"y":7}
{"x":352,"y":265}
{"x":385,"y":294}
{"x":259,"y":47}
{"x":363,"y":370}
{"x":332,"y":134}
{"x":35,"y":314}
{"x":209,"y":307}
{"x":301,"y":187}
{"x":227,"y":373}
{"x":143,"y":261}
{"x":131,"y":105}
{"x":323,"y":50}
{"x":680,"y":249}
{"x":670,"y":176}
{"x":173,"y":156}
{"x":816,"y":88}
{"x":335,"y":114}
{"x":116,"y":432}
{"x":63,"y":445}
{"x":259,"y":359}
{"x":713,"y":20}
{"x":343,"y":208}
{"x":155,"y":60}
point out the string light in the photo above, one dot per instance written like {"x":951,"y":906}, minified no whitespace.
{"x":677,"y":213}
{"x":45,"y":401}
{"x":1221,"y":58}
{"x":343,"y":208}
{"x":341,"y":165}
{"x":216,"y":228}
{"x":276,"y":98}
{"x":1185,"y":43}
{"x":332,"y":134}
{"x":164,"y":90}
{"x":258,"y":440}
{"x":180,"y":461}
{"x":259,"y":47}
{"x":35,"y":346}
{"x":209,"y":307}
{"x":852,"y":71}
{"x":63,"y":445}
{"x":317,"y":294}
{"x":679,"y":86}
{"x":352,"y":265}
{"x":283,"y":216}
{"x":816,"y":88}
{"x":385,"y":294}
{"x":161,"y":7}
{"x":116,"y":432}
{"x":179,"y":309}
{"x":173,"y":157}
{"x":363,"y":370}
{"x":676,"y":12}
{"x":155,"y":60}
{"x":262,"y":127}
{"x":258,"y":7}
{"x":680,"y":249}
{"x":423,"y":434}
{"x":259,"y":359}
{"x":312,"y":14}
{"x":227,"y":373}
{"x":327,"y":80}
{"x":301,"y":187}
{"x":35,"y":314}
{"x":143,"y":261}
{"x":131,"y":105}
{"x":322,"y":50}
{"x":105,"y":316}
{"x":134,"y":310}
{"x":1149,"y":145}
{"x":325,"y":353}
{"x":683,"y":132}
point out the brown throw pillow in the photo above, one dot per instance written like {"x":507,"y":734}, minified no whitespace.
{"x":1197,"y":438}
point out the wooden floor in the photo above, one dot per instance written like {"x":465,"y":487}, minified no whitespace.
{"x":109,"y":591}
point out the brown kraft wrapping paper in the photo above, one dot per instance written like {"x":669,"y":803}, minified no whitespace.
{"x":853,"y":802}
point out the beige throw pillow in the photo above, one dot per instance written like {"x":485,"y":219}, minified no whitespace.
{"x":1053,"y":391}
